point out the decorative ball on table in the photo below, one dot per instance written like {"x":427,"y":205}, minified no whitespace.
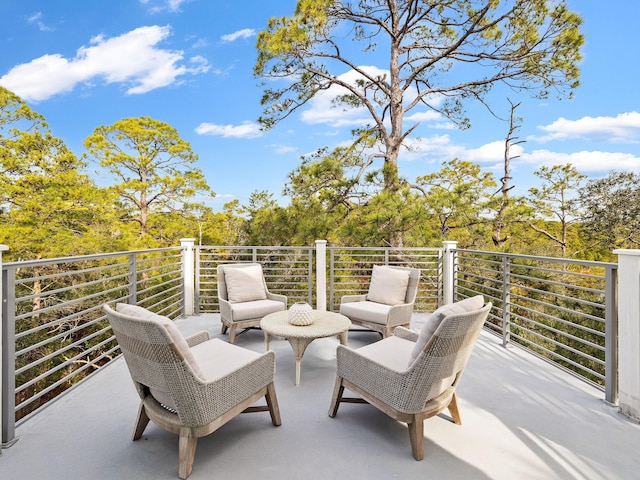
{"x":300,"y":314}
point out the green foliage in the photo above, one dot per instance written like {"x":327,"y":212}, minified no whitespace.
{"x":153,"y":167}
{"x":49,"y":208}
{"x":457,"y":199}
{"x":388,"y":219}
{"x":611,"y":210}
{"x":555,"y":200}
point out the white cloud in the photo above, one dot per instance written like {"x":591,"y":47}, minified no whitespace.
{"x":200,"y":43}
{"x":438,"y":148}
{"x":585,"y":161}
{"x":36,"y":19}
{"x":624,"y":128}
{"x":283,"y":149}
{"x":491,"y":152}
{"x":245,"y":130}
{"x":244,"y":33}
{"x":157,"y":6}
{"x":427,"y":116}
{"x":132,"y":59}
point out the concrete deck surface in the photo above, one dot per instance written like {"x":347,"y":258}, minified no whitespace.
{"x":522,"y":418}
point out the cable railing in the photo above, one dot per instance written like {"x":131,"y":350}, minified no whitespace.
{"x":560,"y":309}
{"x":287,"y":271}
{"x":350,"y":272}
{"x":54,"y":333}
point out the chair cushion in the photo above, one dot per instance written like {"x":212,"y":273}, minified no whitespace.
{"x":366,"y":311}
{"x":255,"y":309}
{"x":244,"y":284}
{"x":392,"y":352}
{"x":433,"y":321}
{"x":218,"y":358}
{"x":175,"y":334}
{"x":388,"y":285}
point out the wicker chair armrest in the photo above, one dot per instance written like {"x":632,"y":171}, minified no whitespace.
{"x":405,"y":333}
{"x":277,"y":297}
{"x":353,"y":298}
{"x":400,"y":314}
{"x":205,"y":401}
{"x":225,"y":309}
{"x":197,"y":338}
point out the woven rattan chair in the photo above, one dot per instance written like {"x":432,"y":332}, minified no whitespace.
{"x":389,"y":302}
{"x":244,"y":297}
{"x":191,"y":386}
{"x":385,"y":374}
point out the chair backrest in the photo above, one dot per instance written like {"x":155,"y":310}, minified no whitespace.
{"x":222,"y":283}
{"x":155,"y":352}
{"x":412,"y":287}
{"x":445,"y":356}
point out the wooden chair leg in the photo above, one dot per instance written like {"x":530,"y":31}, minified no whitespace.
{"x":272,"y":402}
{"x":186,"y":452}
{"x":224,"y":328}
{"x":141,"y":422}
{"x":453,"y":410}
{"x":232,"y":333}
{"x":416,"y":436}
{"x":338,"y":390}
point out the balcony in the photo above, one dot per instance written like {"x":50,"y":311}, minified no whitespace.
{"x":529,"y":409}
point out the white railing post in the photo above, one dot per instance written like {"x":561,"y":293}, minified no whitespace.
{"x":3,"y":248}
{"x":188,"y":273}
{"x":321,"y":275}
{"x":448,"y":271}
{"x":629,"y":332}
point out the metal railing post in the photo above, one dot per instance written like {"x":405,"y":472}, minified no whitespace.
{"x":321,"y":275}
{"x":310,"y":276}
{"x":506,"y":301}
{"x":2,"y":348}
{"x":188,"y":276}
{"x":7,"y":356}
{"x":611,"y":336}
{"x":332,"y":279}
{"x":448,"y":271}
{"x":133,"y":279}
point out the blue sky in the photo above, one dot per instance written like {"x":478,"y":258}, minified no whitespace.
{"x":189,"y":63}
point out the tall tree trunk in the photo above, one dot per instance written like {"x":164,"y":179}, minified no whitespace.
{"x":498,"y":234}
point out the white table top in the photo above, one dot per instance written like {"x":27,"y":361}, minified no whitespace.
{"x":325,"y":324}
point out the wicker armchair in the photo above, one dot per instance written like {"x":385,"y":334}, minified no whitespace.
{"x":244,"y":297}
{"x":386,"y":375}
{"x":191,"y":386}
{"x":389,"y":302}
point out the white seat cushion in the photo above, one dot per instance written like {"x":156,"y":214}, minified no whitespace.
{"x":218,"y":359}
{"x":433,"y":321}
{"x":388,"y":285}
{"x":244,"y":284}
{"x":257,"y":309}
{"x":392,"y":352}
{"x":366,"y":311}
